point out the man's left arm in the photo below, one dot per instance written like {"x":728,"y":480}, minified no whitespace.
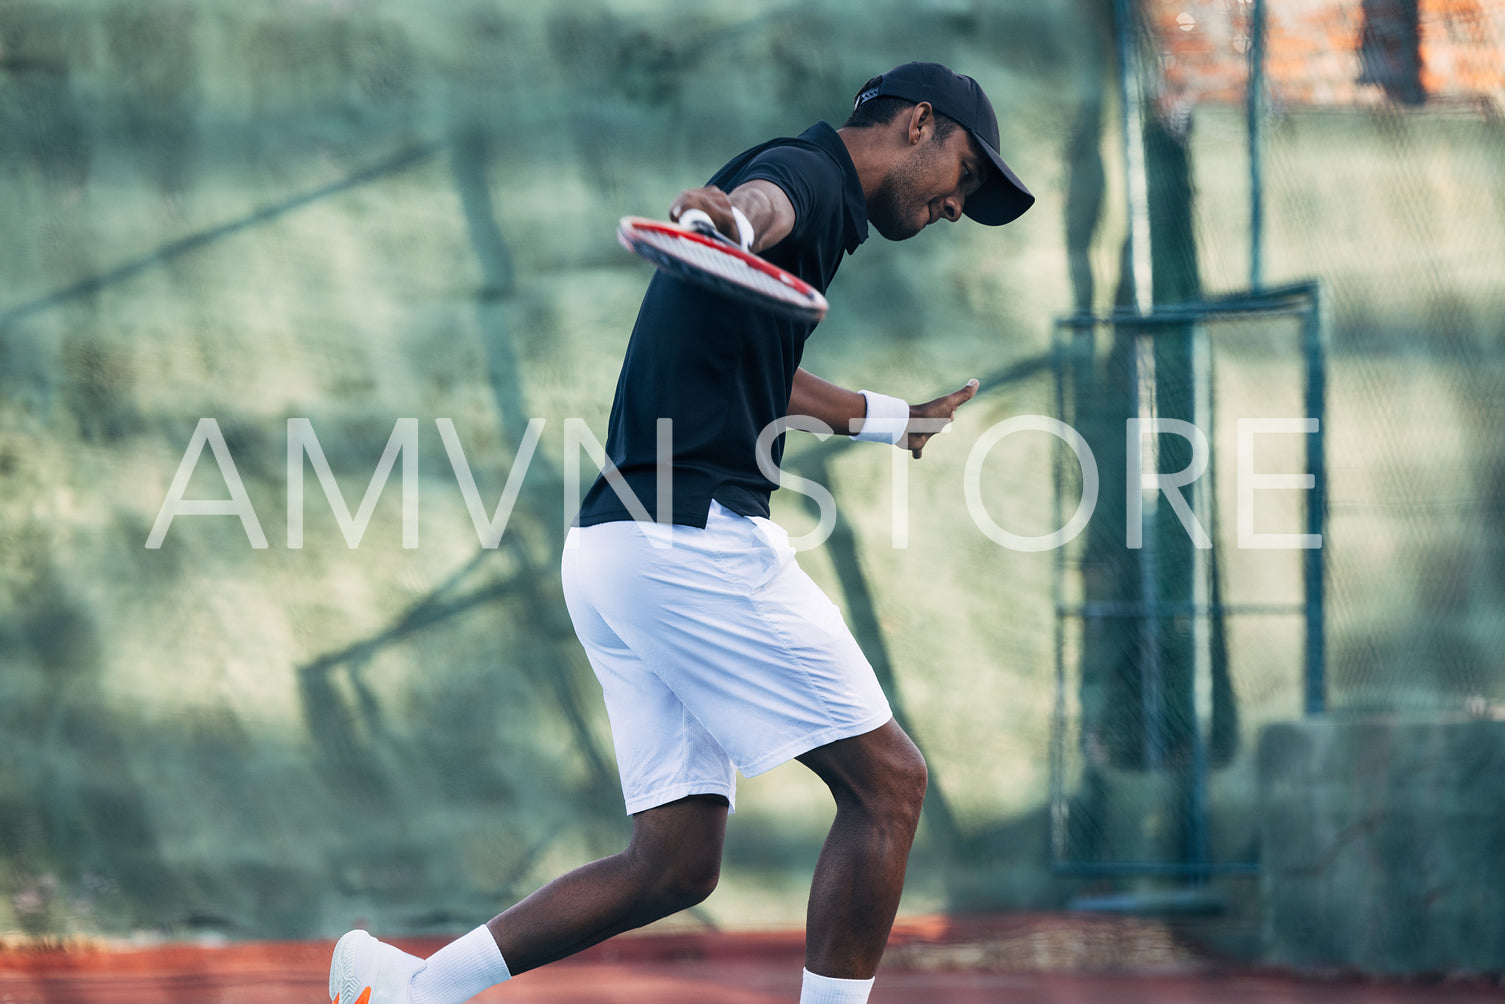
{"x":845,"y":410}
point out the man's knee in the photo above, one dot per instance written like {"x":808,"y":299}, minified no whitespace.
{"x":909,"y":778}
{"x":694,"y":880}
{"x":882,"y":773}
{"x":673,"y":880}
{"x":676,"y":857}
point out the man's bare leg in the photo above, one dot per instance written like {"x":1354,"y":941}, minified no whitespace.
{"x":671,"y":864}
{"x":878,"y":781}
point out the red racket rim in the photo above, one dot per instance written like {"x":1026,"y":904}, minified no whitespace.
{"x":811,"y":305}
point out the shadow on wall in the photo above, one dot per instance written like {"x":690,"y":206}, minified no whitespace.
{"x":118,"y":819}
{"x":70,"y":803}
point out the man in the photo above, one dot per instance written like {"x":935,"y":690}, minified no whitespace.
{"x":715,"y":652}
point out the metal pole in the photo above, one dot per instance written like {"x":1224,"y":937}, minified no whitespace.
{"x":1202,"y":682}
{"x":1136,"y":184}
{"x":1254,"y":108}
{"x":1316,"y":510}
{"x":1151,"y":688}
{"x":1059,"y":807}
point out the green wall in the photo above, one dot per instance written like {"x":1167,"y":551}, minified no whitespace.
{"x":358,"y":213}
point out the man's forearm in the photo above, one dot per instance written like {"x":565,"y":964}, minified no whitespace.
{"x":836,"y":406}
{"x":763,"y":203}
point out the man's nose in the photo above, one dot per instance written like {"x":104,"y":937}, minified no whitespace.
{"x":951,"y":208}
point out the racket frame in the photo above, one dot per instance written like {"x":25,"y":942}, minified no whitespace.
{"x":809,"y":304}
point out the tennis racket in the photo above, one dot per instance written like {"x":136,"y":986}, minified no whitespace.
{"x":701,"y":254}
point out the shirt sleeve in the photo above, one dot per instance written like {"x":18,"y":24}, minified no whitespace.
{"x":812,"y":182}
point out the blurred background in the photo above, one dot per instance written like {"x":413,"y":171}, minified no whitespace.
{"x":220,"y":217}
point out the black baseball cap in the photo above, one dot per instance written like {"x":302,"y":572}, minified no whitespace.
{"x":1002,"y":197}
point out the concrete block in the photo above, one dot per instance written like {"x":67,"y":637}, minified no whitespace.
{"x":1383,"y":844}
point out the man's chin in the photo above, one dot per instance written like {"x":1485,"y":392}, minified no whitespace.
{"x":896,"y":230}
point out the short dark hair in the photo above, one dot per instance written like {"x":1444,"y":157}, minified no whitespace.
{"x":881,"y":111}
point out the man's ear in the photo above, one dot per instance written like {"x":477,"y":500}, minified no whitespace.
{"x":921,"y":122}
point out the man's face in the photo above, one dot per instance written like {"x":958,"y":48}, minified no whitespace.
{"x":931,"y":182}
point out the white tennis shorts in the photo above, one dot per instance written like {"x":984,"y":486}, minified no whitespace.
{"x":716,"y":653}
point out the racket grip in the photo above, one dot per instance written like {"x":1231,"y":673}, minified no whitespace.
{"x":699,"y":219}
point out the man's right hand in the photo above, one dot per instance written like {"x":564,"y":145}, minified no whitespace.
{"x":714,"y":203}
{"x":764,"y":204}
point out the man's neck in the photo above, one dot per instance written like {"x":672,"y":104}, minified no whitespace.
{"x":867,"y":146}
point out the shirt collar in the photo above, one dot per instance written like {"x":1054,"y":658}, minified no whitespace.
{"x":822,"y":135}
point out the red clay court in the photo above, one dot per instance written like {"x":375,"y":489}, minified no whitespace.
{"x":1019,"y":958}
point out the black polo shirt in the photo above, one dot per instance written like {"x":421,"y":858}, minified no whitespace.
{"x":722,"y":370}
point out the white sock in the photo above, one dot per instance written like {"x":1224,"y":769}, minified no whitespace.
{"x":826,"y":990}
{"x":460,"y":970}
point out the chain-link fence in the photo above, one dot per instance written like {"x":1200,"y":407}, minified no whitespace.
{"x":1190,"y":608}
{"x":1348,"y":148}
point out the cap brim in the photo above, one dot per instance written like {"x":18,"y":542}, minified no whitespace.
{"x":1003,"y":197}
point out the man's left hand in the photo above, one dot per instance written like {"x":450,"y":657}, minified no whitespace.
{"x":943,"y":408}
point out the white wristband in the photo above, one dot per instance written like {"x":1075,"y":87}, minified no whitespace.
{"x":887,"y":419}
{"x":744,"y":229}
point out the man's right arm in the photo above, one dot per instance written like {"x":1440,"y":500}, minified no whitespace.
{"x":764,"y":204}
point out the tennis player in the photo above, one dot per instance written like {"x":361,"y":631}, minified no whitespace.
{"x":715,"y":652}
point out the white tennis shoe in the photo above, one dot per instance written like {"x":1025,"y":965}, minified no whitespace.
{"x":366,"y":971}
